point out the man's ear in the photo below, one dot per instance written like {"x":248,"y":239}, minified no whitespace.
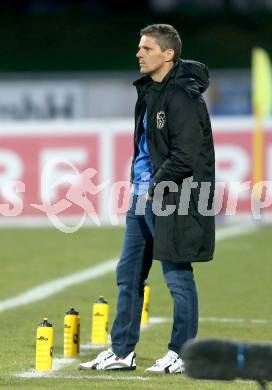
{"x":169,"y":55}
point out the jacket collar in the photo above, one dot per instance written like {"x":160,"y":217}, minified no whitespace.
{"x":145,"y":82}
{"x":192,"y":76}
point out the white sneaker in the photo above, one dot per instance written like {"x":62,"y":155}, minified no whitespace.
{"x":107,"y":360}
{"x":171,"y":363}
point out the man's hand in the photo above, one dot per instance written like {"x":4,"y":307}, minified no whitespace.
{"x":148,"y":197}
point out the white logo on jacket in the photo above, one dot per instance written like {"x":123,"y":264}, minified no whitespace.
{"x":161,"y":119}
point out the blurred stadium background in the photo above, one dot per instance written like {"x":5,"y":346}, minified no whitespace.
{"x":66,"y":95}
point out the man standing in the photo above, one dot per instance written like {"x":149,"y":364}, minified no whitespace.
{"x":173,"y":160}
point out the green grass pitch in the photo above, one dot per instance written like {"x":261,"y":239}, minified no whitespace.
{"x":234,"y":289}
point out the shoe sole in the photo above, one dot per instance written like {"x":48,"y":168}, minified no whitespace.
{"x":162,"y":373}
{"x":108,"y":369}
{"x":120,"y":369}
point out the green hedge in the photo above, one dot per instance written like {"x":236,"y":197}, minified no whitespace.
{"x":76,"y":42}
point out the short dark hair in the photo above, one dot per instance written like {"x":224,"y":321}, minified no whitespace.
{"x":167,"y":37}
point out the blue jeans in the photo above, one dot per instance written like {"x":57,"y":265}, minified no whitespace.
{"x":132,"y":271}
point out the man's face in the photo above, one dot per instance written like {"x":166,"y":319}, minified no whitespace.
{"x":151,"y":58}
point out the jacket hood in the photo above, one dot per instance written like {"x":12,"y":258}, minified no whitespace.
{"x":192,"y":76}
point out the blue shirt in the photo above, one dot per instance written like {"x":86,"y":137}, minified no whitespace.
{"x":143,"y":170}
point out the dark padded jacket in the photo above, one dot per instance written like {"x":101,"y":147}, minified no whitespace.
{"x":180,"y":144}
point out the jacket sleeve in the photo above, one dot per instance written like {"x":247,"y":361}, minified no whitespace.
{"x":185,"y":137}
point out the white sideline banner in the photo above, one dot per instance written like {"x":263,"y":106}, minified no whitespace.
{"x":42,"y":100}
{"x":41,"y":164}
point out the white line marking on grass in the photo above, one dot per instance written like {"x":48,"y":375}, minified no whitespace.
{"x":54,"y":286}
{"x":86,"y":348}
{"x":57,"y":364}
{"x":33,"y":374}
{"x":261,"y":322}
{"x":91,"y":347}
{"x":158,"y":320}
{"x":236,"y":230}
{"x":154,"y":321}
{"x":106,"y":377}
{"x":235,"y":320}
{"x":223,"y":320}
{"x":61,"y":362}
